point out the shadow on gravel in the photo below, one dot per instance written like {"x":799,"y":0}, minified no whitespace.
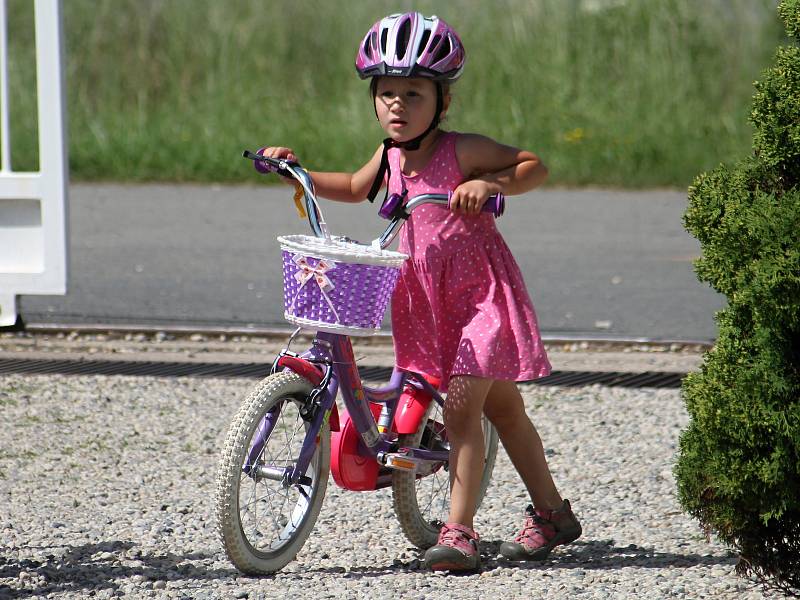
{"x":97,"y":566}
{"x":587,"y":555}
{"x":93,"y":567}
{"x":603,"y":554}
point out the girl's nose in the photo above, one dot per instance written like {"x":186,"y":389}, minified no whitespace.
{"x":393,"y":103}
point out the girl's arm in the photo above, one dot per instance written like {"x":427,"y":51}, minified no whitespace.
{"x":491,"y":168}
{"x":343,"y":187}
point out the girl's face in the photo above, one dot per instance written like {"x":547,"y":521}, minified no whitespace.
{"x":405,"y":106}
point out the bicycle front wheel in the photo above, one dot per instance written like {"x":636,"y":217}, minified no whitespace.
{"x":263,"y":523}
{"x":422,"y":500}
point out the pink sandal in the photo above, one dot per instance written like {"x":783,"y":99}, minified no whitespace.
{"x":456,"y":550}
{"x":543,"y":531}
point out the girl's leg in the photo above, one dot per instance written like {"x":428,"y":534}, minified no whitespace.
{"x":462,"y":417}
{"x":506,"y":410}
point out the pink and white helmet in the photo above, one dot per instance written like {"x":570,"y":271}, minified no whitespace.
{"x":411,"y":45}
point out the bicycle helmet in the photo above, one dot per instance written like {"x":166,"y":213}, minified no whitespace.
{"x":410,"y":45}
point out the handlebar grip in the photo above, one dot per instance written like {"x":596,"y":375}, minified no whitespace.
{"x":266,"y":165}
{"x":494,"y":204}
{"x":261,"y":166}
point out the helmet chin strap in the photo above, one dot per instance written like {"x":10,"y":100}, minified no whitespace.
{"x":410,"y":145}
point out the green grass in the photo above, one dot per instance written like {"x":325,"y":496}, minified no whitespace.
{"x":613,"y":92}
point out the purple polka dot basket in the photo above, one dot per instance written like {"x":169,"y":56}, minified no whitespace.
{"x":336,"y":285}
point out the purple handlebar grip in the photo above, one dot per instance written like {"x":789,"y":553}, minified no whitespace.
{"x":494,"y":204}
{"x":389,"y":206}
{"x":261,"y":166}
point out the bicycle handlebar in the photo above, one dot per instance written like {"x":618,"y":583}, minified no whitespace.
{"x":394,"y":205}
{"x":394,"y":208}
{"x":293,"y":170}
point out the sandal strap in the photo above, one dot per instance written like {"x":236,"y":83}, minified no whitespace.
{"x":458,"y":527}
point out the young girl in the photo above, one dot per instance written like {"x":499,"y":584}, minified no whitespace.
{"x":460,"y":311}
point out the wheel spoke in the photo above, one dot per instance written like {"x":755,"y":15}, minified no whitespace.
{"x":437,"y":493}
{"x":254,"y":512}
{"x":266,"y":496}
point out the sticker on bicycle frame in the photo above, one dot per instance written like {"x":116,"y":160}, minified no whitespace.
{"x":371,"y":437}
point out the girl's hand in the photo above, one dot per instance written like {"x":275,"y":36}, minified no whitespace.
{"x":469,"y":197}
{"x":277,"y":152}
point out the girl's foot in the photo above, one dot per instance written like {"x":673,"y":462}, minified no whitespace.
{"x":456,"y":550}
{"x":543,"y":530}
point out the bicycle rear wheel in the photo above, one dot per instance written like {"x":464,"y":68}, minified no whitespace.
{"x":262,"y":523}
{"x":422,"y":500}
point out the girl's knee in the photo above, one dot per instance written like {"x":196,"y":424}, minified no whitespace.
{"x":505,"y":408}
{"x":460,"y":424}
{"x":466,"y":397}
{"x":506,"y":422}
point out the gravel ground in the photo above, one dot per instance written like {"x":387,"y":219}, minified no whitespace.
{"x":107,"y":485}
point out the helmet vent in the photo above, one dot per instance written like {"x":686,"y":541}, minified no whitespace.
{"x":384,"y":35}
{"x":424,"y":42}
{"x":443,"y":50}
{"x":369,"y":43}
{"x":402,"y":38}
{"x":435,"y":41}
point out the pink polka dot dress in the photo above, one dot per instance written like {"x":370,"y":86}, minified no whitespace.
{"x":460,"y":306}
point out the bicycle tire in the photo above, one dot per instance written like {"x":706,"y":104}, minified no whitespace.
{"x":250,"y":545}
{"x":419,"y":518}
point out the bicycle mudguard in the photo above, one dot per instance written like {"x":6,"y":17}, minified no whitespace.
{"x":411,"y":409}
{"x":311,"y":372}
{"x":302,"y":367}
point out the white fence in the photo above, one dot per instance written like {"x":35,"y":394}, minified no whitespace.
{"x":33,"y":205}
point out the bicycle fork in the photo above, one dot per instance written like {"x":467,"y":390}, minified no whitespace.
{"x":315,"y":410}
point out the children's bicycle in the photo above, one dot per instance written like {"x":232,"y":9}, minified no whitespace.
{"x":289,"y":435}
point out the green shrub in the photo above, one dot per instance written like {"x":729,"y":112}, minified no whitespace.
{"x":738,"y":468}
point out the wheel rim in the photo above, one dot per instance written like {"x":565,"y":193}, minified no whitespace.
{"x":269,"y":514}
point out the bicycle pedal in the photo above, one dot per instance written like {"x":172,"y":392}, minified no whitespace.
{"x":402,"y":462}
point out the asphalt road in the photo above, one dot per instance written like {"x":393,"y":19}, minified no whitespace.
{"x":597,"y":262}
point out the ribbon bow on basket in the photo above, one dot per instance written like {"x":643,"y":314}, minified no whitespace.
{"x":318,"y":273}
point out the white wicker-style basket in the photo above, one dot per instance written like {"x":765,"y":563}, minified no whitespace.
{"x":336,"y":285}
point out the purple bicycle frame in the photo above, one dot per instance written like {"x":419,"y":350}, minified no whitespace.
{"x":336,"y":350}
